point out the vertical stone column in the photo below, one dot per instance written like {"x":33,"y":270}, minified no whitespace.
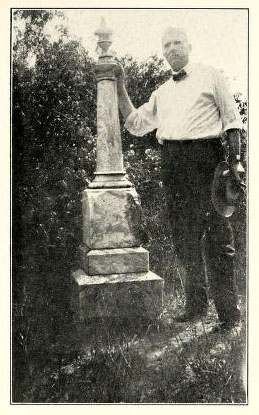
{"x":109,"y":164}
{"x":114,"y":277}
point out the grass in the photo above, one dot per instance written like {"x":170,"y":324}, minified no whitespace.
{"x":142,"y":362}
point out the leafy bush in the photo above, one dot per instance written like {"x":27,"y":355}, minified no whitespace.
{"x":54,"y":127}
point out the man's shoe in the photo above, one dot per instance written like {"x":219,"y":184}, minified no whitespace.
{"x":189,"y":317}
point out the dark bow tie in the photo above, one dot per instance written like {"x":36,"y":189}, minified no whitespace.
{"x":179,"y":75}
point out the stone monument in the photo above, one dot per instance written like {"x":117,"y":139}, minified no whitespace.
{"x":114,"y":279}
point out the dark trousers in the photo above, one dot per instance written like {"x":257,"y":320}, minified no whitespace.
{"x":203,"y":240}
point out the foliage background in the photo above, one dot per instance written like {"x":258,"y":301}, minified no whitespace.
{"x":53,"y":159}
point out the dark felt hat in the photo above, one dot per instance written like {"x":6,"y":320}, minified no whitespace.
{"x":225,"y":190}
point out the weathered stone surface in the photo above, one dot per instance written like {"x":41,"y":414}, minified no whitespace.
{"x":111,"y":218}
{"x":117,"y":295}
{"x":117,"y":260}
{"x":109,"y":161}
{"x":109,"y":151}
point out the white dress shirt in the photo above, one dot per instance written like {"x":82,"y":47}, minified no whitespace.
{"x":201,"y":105}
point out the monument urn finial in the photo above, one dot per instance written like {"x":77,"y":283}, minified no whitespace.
{"x":104,"y":38}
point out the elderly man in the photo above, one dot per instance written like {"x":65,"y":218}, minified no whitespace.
{"x":191,"y":111}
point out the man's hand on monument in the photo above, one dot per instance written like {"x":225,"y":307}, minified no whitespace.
{"x":119,"y":72}
{"x":125,"y":104}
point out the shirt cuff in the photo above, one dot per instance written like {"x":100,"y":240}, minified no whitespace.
{"x":234,"y":124}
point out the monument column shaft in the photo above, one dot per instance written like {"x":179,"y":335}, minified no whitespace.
{"x":109,"y":159}
{"x":109,"y":149}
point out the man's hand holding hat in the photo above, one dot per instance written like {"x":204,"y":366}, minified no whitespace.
{"x":237,"y":169}
{"x":228,"y":181}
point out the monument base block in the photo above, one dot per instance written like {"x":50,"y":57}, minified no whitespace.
{"x":117,"y":295}
{"x":112,"y":261}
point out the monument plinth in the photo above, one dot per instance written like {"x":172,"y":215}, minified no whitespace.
{"x":114,"y":277}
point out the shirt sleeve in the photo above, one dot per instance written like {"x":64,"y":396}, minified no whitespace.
{"x":143,"y":119}
{"x":226,"y":103}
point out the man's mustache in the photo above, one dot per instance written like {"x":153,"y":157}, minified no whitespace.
{"x":174,"y":55}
